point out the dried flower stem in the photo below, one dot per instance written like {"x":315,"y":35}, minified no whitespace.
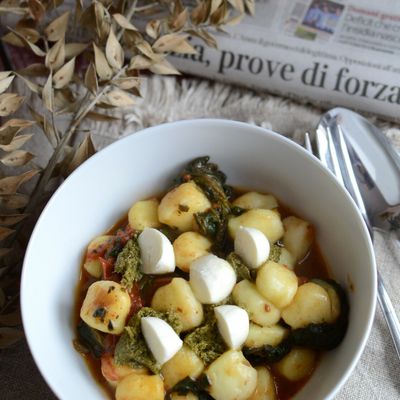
{"x":76,"y":121}
{"x":128,"y":15}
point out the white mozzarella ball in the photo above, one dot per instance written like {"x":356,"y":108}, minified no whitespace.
{"x":233,"y":325}
{"x":211,"y":278}
{"x":156,"y":252}
{"x":252,"y":246}
{"x":160,"y":338}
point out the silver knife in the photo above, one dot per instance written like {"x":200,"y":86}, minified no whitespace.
{"x":376,"y":165}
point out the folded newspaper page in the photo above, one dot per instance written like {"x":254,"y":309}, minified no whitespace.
{"x":327,"y":52}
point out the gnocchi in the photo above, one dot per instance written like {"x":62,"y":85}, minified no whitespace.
{"x":265,"y":335}
{"x":177,"y":207}
{"x":241,"y":316}
{"x":144,"y":214}
{"x":114,"y":373}
{"x":311,"y":305}
{"x":184,"y":363}
{"x":178,"y":296}
{"x":188,"y":247}
{"x":140,"y":387}
{"x":251,"y":200}
{"x":106,"y":307}
{"x":277,"y":284}
{"x":297,"y":365}
{"x":267,"y":221}
{"x":260,"y":310}
{"x":231,"y":377}
{"x":298,"y":236}
{"x":92,"y":263}
{"x":265,"y":389}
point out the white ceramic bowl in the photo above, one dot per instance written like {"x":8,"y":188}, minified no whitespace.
{"x":101,"y":191}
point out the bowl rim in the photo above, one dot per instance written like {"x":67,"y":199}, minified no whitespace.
{"x":216,"y":122}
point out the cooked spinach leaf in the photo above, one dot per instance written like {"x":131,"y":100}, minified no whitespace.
{"x":91,"y":339}
{"x":325,"y":336}
{"x":268,"y":354}
{"x":211,"y":180}
{"x":212,"y":223}
{"x":236,"y":211}
{"x":128,"y":263}
{"x":241,"y":269}
{"x":131,"y":348}
{"x":188,"y":385}
{"x":115,"y":249}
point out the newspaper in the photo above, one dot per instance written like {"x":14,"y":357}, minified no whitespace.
{"x":327,"y":52}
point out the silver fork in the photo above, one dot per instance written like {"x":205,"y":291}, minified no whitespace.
{"x":334,"y":155}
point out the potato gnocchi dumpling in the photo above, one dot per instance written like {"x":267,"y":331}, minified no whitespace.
{"x":188,"y":247}
{"x":178,"y":296}
{"x":144,"y":214}
{"x":177,"y":207}
{"x":265,"y":389}
{"x":287,"y":259}
{"x":311,"y":305}
{"x":114,"y":373}
{"x":260,"y":310}
{"x":297,"y":365}
{"x":231,"y":377}
{"x":175,"y":304}
{"x":298,"y":236}
{"x":140,"y":387}
{"x":260,"y":336}
{"x":276,"y":283}
{"x":92,"y":264}
{"x":185,"y":363}
{"x":251,"y":200}
{"x":267,"y":221}
{"x":106,"y":307}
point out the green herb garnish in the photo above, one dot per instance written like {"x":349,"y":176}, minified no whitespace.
{"x":131,"y":348}
{"x":128,"y":263}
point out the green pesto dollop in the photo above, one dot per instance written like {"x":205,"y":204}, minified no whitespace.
{"x":206,"y":342}
{"x":275,"y":253}
{"x":128,"y":263}
{"x":131,"y":348}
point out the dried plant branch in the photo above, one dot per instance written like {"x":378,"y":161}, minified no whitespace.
{"x":121,"y":40}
